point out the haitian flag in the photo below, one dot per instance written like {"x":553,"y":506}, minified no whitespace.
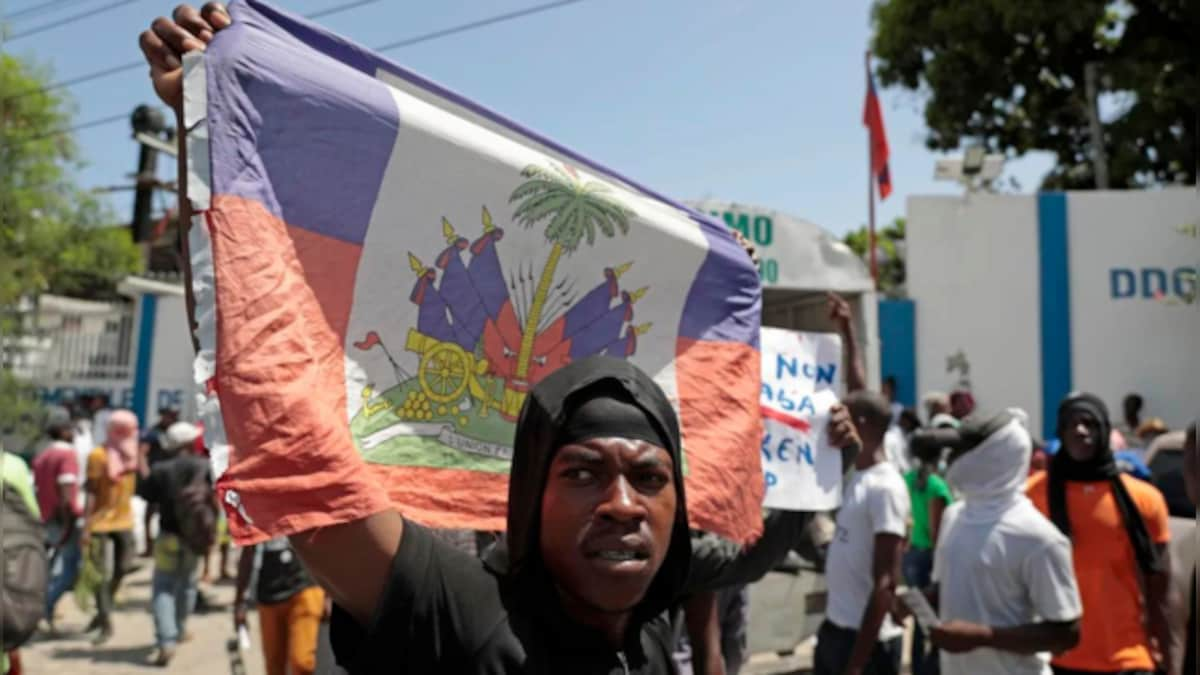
{"x":873,"y":121}
{"x":382,"y":269}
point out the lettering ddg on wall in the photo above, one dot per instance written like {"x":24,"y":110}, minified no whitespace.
{"x":1152,"y":283}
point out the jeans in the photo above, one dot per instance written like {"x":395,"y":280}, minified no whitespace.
{"x":172,"y":589}
{"x":63,"y":565}
{"x":835,"y":643}
{"x":918,"y":570}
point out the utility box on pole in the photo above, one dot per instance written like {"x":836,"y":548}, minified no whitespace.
{"x":145,"y":120}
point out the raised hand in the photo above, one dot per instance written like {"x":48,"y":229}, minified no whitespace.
{"x":167,"y":40}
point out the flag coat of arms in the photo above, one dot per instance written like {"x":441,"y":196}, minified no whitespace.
{"x":382,"y":269}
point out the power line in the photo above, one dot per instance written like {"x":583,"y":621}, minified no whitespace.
{"x":134,"y":65}
{"x":78,"y":127}
{"x":69,"y":20}
{"x":41,"y":8}
{"x":416,"y":39}
{"x":338,"y":9}
{"x":454,"y":30}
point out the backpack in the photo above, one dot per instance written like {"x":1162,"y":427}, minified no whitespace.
{"x":23,"y":565}
{"x":197,"y":514}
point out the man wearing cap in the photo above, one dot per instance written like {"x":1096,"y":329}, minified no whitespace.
{"x":1002,"y":572}
{"x":151,"y":452}
{"x":1119,"y":530}
{"x":173,"y":586}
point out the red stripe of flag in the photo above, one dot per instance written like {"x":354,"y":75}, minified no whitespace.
{"x":873,"y":121}
{"x":794,"y":422}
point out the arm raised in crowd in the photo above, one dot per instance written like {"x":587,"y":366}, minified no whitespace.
{"x":843,"y":319}
{"x":351,"y":560}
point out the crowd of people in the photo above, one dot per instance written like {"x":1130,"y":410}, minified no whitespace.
{"x":84,"y":481}
{"x":1034,"y":556}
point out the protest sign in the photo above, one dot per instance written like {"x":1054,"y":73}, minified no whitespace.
{"x":799,"y":384}
{"x":384,"y":269}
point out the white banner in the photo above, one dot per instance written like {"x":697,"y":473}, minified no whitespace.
{"x":800,"y":382}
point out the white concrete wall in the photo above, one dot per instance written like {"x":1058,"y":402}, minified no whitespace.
{"x":973,"y":272}
{"x":1138,"y":343}
{"x":171,"y":379}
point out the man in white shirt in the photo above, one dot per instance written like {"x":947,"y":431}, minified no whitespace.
{"x":858,"y":637}
{"x":1003,"y":573}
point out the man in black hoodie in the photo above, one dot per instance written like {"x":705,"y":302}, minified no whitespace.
{"x":597,"y":547}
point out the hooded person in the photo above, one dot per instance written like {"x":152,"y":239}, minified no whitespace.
{"x":1119,"y":529}
{"x":1002,"y":572}
{"x":598,"y":429}
{"x":108,"y":530}
{"x":597,"y":548}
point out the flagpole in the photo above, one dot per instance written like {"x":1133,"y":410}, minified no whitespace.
{"x":871,"y":192}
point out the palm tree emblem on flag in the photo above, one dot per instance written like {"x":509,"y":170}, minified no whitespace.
{"x":575,"y":210}
{"x":483,"y":338}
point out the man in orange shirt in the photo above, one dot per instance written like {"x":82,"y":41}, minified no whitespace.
{"x":1118,"y":526}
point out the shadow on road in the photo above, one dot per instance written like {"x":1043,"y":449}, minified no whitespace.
{"x":134,"y":655}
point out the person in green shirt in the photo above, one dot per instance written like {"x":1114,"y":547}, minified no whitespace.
{"x":930,"y":496}
{"x":15,"y":475}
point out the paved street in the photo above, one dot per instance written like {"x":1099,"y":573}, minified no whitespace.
{"x":133,"y":641}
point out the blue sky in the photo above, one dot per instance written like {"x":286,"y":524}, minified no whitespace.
{"x":751,"y":101}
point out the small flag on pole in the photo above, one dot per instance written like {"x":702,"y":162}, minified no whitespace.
{"x":873,"y":120}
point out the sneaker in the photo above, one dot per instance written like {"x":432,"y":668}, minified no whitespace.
{"x":162,"y":656}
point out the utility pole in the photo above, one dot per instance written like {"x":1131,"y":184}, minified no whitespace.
{"x":145,"y":120}
{"x":1099,"y":156}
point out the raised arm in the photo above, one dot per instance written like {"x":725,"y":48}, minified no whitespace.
{"x":843,"y":319}
{"x":351,"y":560}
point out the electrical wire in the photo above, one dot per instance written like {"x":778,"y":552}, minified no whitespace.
{"x":133,"y":65}
{"x":416,"y":39}
{"x":489,"y":21}
{"x":69,"y":20}
{"x":40,"y":8}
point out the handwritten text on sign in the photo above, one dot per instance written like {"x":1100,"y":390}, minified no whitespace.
{"x":800,"y":383}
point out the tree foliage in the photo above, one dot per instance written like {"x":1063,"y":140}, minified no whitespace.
{"x":1011,"y":75}
{"x":54,"y":236}
{"x":889,"y":251}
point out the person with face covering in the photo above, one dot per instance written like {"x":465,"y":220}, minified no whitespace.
{"x":1119,"y":530}
{"x":1002,"y":572}
{"x":108,"y":520}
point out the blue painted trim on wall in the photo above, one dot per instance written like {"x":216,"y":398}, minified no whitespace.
{"x":145,"y":355}
{"x":898,"y":347}
{"x":1054,"y":271}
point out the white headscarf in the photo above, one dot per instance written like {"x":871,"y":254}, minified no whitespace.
{"x":992,"y":477}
